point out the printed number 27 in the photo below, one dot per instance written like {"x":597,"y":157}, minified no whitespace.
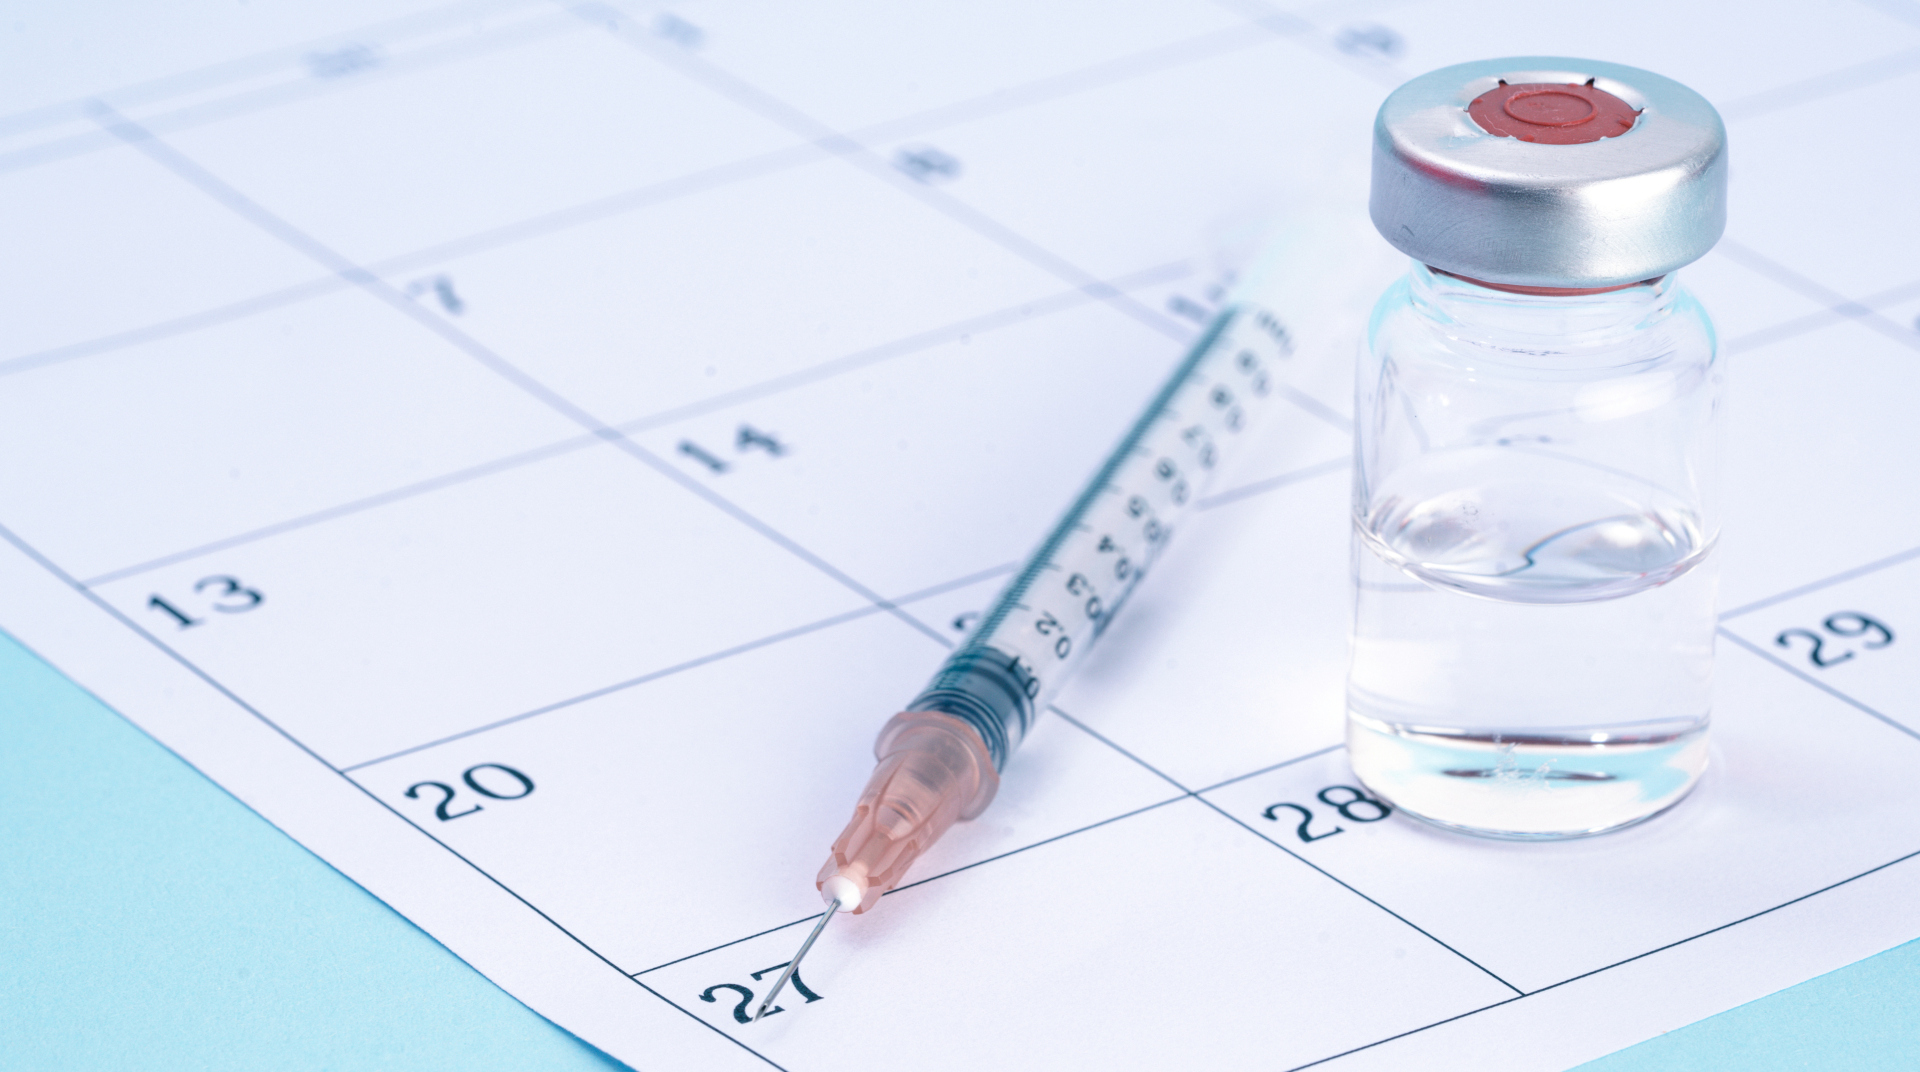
{"x":746,"y":995}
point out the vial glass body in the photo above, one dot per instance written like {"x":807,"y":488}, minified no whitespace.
{"x":1535,"y":511}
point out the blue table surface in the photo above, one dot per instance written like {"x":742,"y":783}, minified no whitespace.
{"x":148,"y":920}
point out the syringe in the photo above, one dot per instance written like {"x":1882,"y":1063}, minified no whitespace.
{"x":940,"y":759}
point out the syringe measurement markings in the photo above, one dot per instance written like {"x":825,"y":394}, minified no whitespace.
{"x":1020,"y":625}
{"x":1163,"y":483}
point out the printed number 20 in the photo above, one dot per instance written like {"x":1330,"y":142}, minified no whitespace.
{"x":447,"y":791}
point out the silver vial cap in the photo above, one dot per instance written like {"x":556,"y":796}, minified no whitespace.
{"x":1629,"y":203}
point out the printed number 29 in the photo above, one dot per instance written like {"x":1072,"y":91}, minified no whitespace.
{"x":1846,"y":623}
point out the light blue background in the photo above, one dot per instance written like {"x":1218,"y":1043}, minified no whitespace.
{"x":150,"y":921}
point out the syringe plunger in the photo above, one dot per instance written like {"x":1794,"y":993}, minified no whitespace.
{"x":933,"y":769}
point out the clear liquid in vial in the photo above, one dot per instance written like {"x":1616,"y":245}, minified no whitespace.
{"x":1525,"y":677}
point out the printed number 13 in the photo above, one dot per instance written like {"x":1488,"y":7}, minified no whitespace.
{"x":232,"y":598}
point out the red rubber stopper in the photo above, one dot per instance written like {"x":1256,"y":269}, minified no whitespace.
{"x":1552,"y":114}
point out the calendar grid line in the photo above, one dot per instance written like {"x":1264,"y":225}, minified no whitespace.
{"x":378,"y":288}
{"x":1270,"y":768}
{"x":856,"y":614}
{"x":539,"y":226}
{"x":1110,"y":743}
{"x":719,"y":175}
{"x":1811,"y":288}
{"x":1816,"y":683}
{"x":1518,"y":994}
{"x":1845,"y":80}
{"x":228,"y":71}
{"x":905,"y":346}
{"x":1013,"y":242}
{"x":1356,"y":891}
{"x":1273,"y":483}
{"x":696,"y":1019}
{"x":1183,"y":52}
{"x":1125,"y":68}
{"x":1314,"y":407}
{"x":903,"y":603}
{"x":260,"y":217}
{"x":7,"y":535}
{"x":455,"y":478}
{"x":1734,"y":923}
{"x":738,"y":513}
{"x":411,"y":61}
{"x":933,"y":119}
{"x":771,"y":108}
{"x":693,"y":183}
{"x":488,"y":239}
{"x":10,"y":537}
{"x":1843,"y":576}
{"x":726,"y":945}
{"x":572,"y":216}
{"x":1292,"y":27}
{"x":181,"y":325}
{"x":54,"y":150}
{"x":1199,"y":794}
{"x":1609,"y":967}
{"x":1152,"y":61}
{"x":931,"y":878}
{"x":113,"y":612}
{"x":257,"y":215}
{"x":1184,"y":794}
{"x":1025,"y":312}
{"x":1404,"y":1034}
{"x":1822,"y":318}
{"x":1155,"y":806}
{"x":1324,"y":873}
{"x":248,"y":101}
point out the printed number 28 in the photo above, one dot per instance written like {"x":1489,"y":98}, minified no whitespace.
{"x":1368,"y":810}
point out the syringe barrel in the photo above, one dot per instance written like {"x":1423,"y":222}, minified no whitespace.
{"x":1045,"y":620}
{"x":1307,"y":294}
{"x":940,"y":759}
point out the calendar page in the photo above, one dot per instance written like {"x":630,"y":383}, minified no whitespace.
{"x":525,"y":452}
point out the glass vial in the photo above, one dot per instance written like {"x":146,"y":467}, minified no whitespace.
{"x":1536,"y":452}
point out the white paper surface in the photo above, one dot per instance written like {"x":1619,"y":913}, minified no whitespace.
{"x":410,"y":364}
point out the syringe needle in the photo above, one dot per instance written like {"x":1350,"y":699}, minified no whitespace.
{"x":793,"y":965}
